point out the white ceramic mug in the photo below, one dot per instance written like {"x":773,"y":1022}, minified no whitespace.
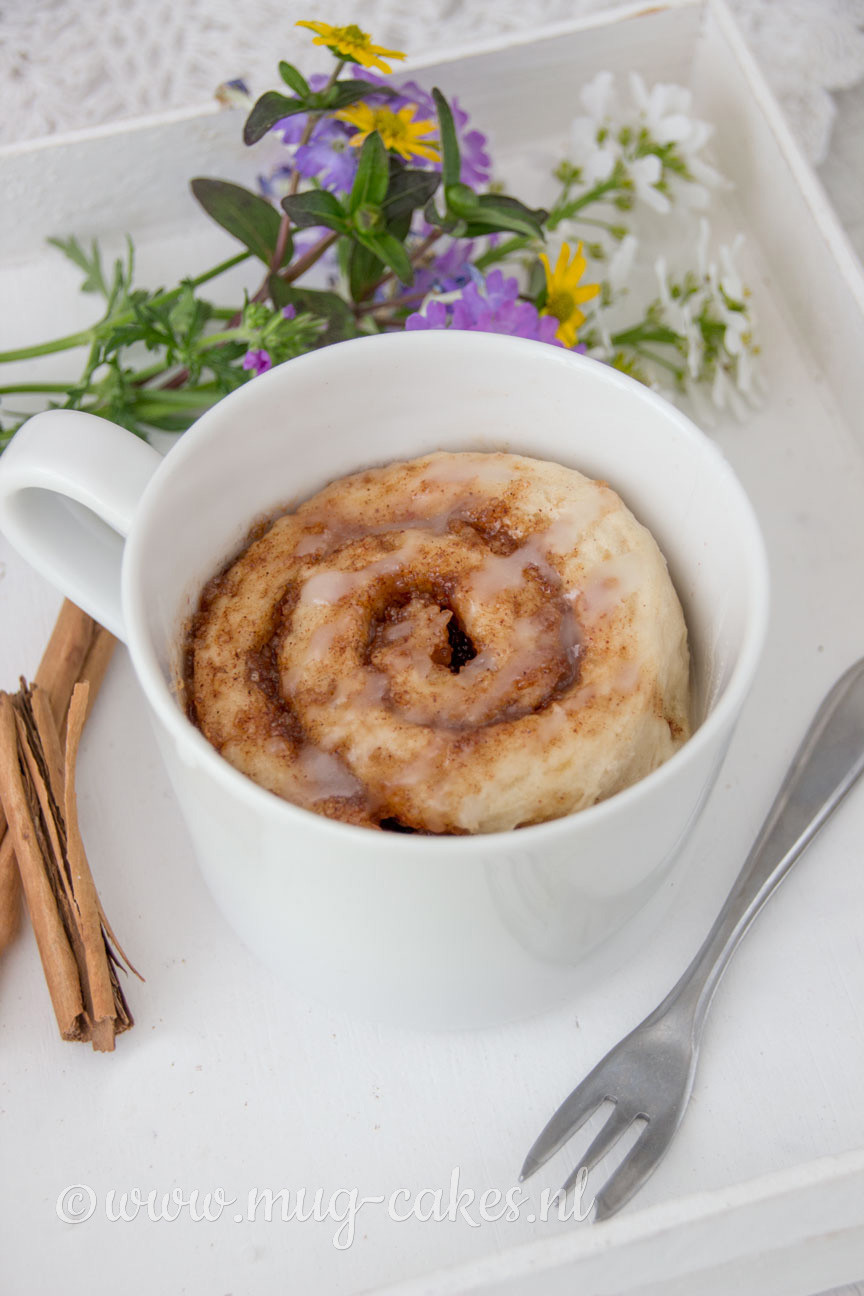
{"x":423,"y":930}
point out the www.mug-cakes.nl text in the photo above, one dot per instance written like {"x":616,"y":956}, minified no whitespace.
{"x":78,"y":1203}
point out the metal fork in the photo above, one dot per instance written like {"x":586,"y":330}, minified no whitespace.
{"x":649,"y":1074}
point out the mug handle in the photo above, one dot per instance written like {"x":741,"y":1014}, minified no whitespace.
{"x":69,"y":487}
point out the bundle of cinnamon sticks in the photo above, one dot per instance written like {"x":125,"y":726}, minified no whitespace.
{"x":40,"y":841}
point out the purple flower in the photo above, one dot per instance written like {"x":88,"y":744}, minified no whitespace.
{"x":328,"y":157}
{"x":476,"y":168}
{"x":289,"y":311}
{"x":258,"y":361}
{"x":437,"y":317}
{"x":275,"y":185}
{"x":476,"y":163}
{"x":495,"y":309}
{"x":451,"y":270}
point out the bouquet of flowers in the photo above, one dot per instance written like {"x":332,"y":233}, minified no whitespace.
{"x":380,"y":212}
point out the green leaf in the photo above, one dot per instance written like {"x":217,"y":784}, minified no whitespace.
{"x":328,"y":306}
{"x":316,"y":207}
{"x":390,"y":250}
{"x":536,"y":289}
{"x":407,"y":190}
{"x":364,"y":269}
{"x":451,"y":163}
{"x":89,"y":263}
{"x":246,"y":215}
{"x":500,"y":212}
{"x":294,"y":79}
{"x":432,"y":217}
{"x":461,"y":200}
{"x":348,"y":92}
{"x":269,"y":109}
{"x":373,"y":175}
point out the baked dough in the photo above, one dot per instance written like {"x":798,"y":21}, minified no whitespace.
{"x":463,"y":643}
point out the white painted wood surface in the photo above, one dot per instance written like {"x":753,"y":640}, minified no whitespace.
{"x":230,"y":1081}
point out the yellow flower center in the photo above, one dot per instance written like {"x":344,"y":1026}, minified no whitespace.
{"x":351,"y":35}
{"x":561,"y":305}
{"x":399,"y":131}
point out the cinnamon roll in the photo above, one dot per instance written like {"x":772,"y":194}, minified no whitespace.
{"x":463,"y":643}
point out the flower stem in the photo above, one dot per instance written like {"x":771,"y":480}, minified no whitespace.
{"x":646,"y":333}
{"x":189,"y":398}
{"x":285,"y":224}
{"x":659,"y":360}
{"x":217,"y":339}
{"x":564,"y":211}
{"x":213,"y":273}
{"x":48,"y":348}
{"x":599,"y":224}
{"x":86,"y":336}
{"x":415,"y":258}
{"x":25,"y":388}
{"x":302,"y":264}
{"x":493,"y":254}
{"x":396,"y":303}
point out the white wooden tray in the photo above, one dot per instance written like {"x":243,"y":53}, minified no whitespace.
{"x":229,"y":1081}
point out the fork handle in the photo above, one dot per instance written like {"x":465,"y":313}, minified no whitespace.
{"x":826,"y":765}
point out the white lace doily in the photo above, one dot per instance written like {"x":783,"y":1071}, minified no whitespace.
{"x":66,"y":66}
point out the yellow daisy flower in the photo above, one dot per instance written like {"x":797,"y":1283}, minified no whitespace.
{"x":352,"y":44}
{"x":564,"y":294}
{"x":398,"y":130}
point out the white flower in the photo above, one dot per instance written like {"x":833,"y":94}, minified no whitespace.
{"x":621,"y":263}
{"x":666,"y":114}
{"x":596,"y":162}
{"x":724,"y":290}
{"x":665,"y":110}
{"x":731,"y":282}
{"x":724,"y":392}
{"x":597,"y":97}
{"x":679,"y":316}
{"x":712,"y":316}
{"x":646,"y":173}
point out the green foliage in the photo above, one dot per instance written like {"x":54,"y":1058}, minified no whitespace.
{"x":467,"y":214}
{"x":344,"y":93}
{"x":372,"y":178}
{"x":407,"y":191}
{"x":268,"y":110}
{"x":246,"y":215}
{"x":273,"y":106}
{"x":294,"y":79}
{"x":90,"y":263}
{"x":316,"y":207}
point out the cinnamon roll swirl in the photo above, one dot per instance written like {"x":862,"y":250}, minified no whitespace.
{"x":463,"y":643}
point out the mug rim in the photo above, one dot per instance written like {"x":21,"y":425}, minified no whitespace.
{"x":158,"y":692}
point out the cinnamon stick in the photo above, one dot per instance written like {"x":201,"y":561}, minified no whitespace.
{"x":78,"y":649}
{"x":101,"y":1004}
{"x":10,"y":889}
{"x":58,"y":961}
{"x":37,"y":778}
{"x":40,"y":839}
